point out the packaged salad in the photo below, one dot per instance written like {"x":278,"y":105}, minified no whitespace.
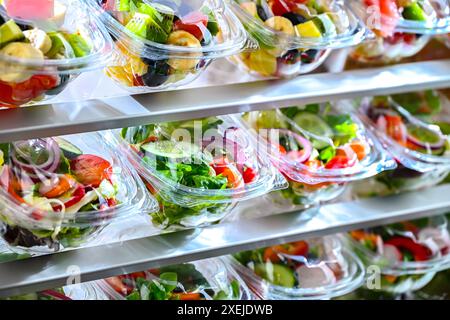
{"x":40,"y":54}
{"x":198,"y":169}
{"x":303,"y":270}
{"x":407,"y":254}
{"x":403,"y":27}
{"x":209,"y":279}
{"x":60,"y":192}
{"x":295,"y":37}
{"x":415,"y":130}
{"x":166,"y":43}
{"x":46,"y":295}
{"x":318,"y":149}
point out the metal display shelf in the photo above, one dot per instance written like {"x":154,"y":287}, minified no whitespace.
{"x":135,"y":255}
{"x":94,"y":115}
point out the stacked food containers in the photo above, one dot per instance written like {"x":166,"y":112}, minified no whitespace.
{"x":403,"y":257}
{"x":198,"y":169}
{"x":303,"y":270}
{"x":209,"y":279}
{"x":60,"y":192}
{"x":40,"y":55}
{"x":414,"y":129}
{"x":295,"y":37}
{"x":319,"y":149}
{"x":403,"y":28}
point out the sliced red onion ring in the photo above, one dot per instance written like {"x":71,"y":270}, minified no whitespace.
{"x":55,"y":294}
{"x":426,"y":145}
{"x":303,"y":142}
{"x":50,"y":165}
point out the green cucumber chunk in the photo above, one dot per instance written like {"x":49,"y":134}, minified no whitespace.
{"x":275,"y":273}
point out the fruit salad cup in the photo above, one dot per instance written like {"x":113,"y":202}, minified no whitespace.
{"x":415,"y":129}
{"x":406,"y":254}
{"x":403,"y":28}
{"x":209,"y":279}
{"x":293,"y":36}
{"x":302,"y":270}
{"x":40,"y":56}
{"x":57,"y":193}
{"x":198,"y":169}
{"x":318,"y":149}
{"x":163,"y":43}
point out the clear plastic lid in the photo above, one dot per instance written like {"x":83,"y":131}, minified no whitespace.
{"x":69,"y":40}
{"x":405,"y":248}
{"x":386,"y":17}
{"x":160,"y":29}
{"x":302,"y":270}
{"x":209,"y":279}
{"x":197,"y":162}
{"x":414,"y":128}
{"x":287,"y":24}
{"x":54,"y":191}
{"x":317,"y":143}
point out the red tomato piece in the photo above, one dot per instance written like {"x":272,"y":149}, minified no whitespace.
{"x":280,"y":7}
{"x":117,"y":284}
{"x":420,"y":252}
{"x":195,"y":23}
{"x":249,"y":175}
{"x":339,"y":162}
{"x":90,"y":169}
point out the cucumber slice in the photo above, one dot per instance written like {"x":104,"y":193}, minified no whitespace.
{"x":171,"y":149}
{"x":79,"y":45}
{"x":69,"y":150}
{"x":326,"y":25}
{"x":414,"y":12}
{"x":9,"y":32}
{"x":315,"y":125}
{"x":277,"y":274}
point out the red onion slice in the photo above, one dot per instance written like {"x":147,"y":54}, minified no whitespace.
{"x":303,"y":142}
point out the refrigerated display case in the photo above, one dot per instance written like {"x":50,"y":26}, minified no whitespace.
{"x":134,"y":243}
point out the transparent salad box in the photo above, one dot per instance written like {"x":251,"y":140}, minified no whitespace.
{"x":415,"y":129}
{"x":59,"y":193}
{"x":303,"y":270}
{"x":406,"y":254}
{"x":41,"y":54}
{"x":162,"y":44}
{"x":198,"y":169}
{"x":209,"y":279}
{"x":294,"y":37}
{"x":403,"y":28}
{"x":319,"y":149}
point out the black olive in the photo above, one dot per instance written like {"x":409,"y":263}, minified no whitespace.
{"x":157,"y":74}
{"x":290,"y":57}
{"x":261,"y":13}
{"x":295,"y":18}
{"x":310,"y":55}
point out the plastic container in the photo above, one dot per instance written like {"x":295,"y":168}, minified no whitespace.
{"x":295,"y":37}
{"x":303,"y":270}
{"x":406,"y":254}
{"x":209,"y":279}
{"x":164,"y":44}
{"x":414,"y":129}
{"x":56,"y":294}
{"x":403,"y":28}
{"x":39,"y":57}
{"x":319,"y":149}
{"x":58,"y":193}
{"x":198,"y":169}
